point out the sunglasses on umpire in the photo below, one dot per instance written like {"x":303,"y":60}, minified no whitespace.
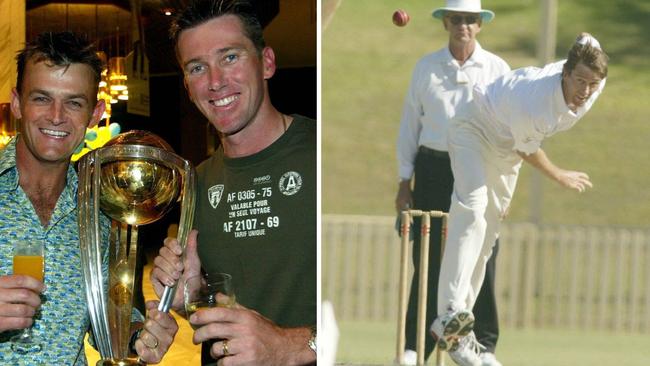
{"x":467,"y":19}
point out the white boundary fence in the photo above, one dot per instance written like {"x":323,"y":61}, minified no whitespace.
{"x":547,"y":276}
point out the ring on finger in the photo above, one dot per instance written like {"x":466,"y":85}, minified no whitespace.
{"x":224,"y":348}
{"x":155,"y":345}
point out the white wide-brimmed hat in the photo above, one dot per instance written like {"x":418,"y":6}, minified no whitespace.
{"x":465,"y":6}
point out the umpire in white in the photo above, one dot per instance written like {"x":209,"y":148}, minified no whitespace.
{"x":441,"y":88}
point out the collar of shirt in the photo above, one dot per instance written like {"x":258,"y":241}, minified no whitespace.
{"x":567,"y":117}
{"x":8,"y":172}
{"x":477,"y":58}
{"x":559,"y":97}
{"x":9,"y":175}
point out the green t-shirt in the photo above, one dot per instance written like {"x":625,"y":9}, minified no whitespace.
{"x":256,"y":217}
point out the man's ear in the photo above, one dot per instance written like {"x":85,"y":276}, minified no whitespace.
{"x":98,"y":112}
{"x":15,"y":104}
{"x":268,"y":62}
{"x":189,"y":92}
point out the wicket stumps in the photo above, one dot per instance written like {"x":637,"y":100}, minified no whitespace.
{"x":425,"y":228}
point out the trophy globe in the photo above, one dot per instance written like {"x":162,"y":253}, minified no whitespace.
{"x":139,"y":191}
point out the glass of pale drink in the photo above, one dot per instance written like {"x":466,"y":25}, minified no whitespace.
{"x":208,"y":291}
{"x":27,"y":260}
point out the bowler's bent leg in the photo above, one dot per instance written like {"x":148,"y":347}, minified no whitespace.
{"x":502,"y":177}
{"x":467,"y":224}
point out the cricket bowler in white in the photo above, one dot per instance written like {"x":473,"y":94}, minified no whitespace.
{"x":505,"y":125}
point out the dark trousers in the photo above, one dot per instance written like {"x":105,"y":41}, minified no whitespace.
{"x":432,"y":191}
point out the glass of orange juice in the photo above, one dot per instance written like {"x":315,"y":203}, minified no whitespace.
{"x":27,"y":260}
{"x":208,"y":291}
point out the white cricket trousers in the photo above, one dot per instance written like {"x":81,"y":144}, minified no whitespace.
{"x":485,"y":176}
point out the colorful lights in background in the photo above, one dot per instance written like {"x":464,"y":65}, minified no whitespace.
{"x":113,"y":85}
{"x":117,"y":79}
{"x":96,"y":137}
{"x":7,"y":125}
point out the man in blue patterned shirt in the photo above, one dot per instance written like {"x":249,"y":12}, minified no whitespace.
{"x":55,"y":100}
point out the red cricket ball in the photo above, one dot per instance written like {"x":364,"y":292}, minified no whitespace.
{"x":400,"y":18}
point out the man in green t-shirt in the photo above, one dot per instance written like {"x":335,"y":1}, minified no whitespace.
{"x":256,"y":198}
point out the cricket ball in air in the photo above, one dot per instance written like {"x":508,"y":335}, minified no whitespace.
{"x":400,"y":18}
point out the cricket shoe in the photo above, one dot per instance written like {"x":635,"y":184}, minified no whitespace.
{"x":448,"y":328}
{"x":467,"y":352}
{"x":489,"y":359}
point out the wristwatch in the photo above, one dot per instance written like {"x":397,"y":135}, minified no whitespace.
{"x":312,"y":340}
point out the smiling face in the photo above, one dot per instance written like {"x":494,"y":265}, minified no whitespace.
{"x":578,"y":85}
{"x":55,"y":105}
{"x":462,"y":27}
{"x":224,"y":74}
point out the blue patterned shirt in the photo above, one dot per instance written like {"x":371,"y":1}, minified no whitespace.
{"x":64,"y":320}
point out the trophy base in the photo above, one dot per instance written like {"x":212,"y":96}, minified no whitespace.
{"x":125,"y":362}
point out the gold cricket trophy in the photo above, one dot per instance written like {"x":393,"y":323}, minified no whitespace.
{"x":134,"y":180}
